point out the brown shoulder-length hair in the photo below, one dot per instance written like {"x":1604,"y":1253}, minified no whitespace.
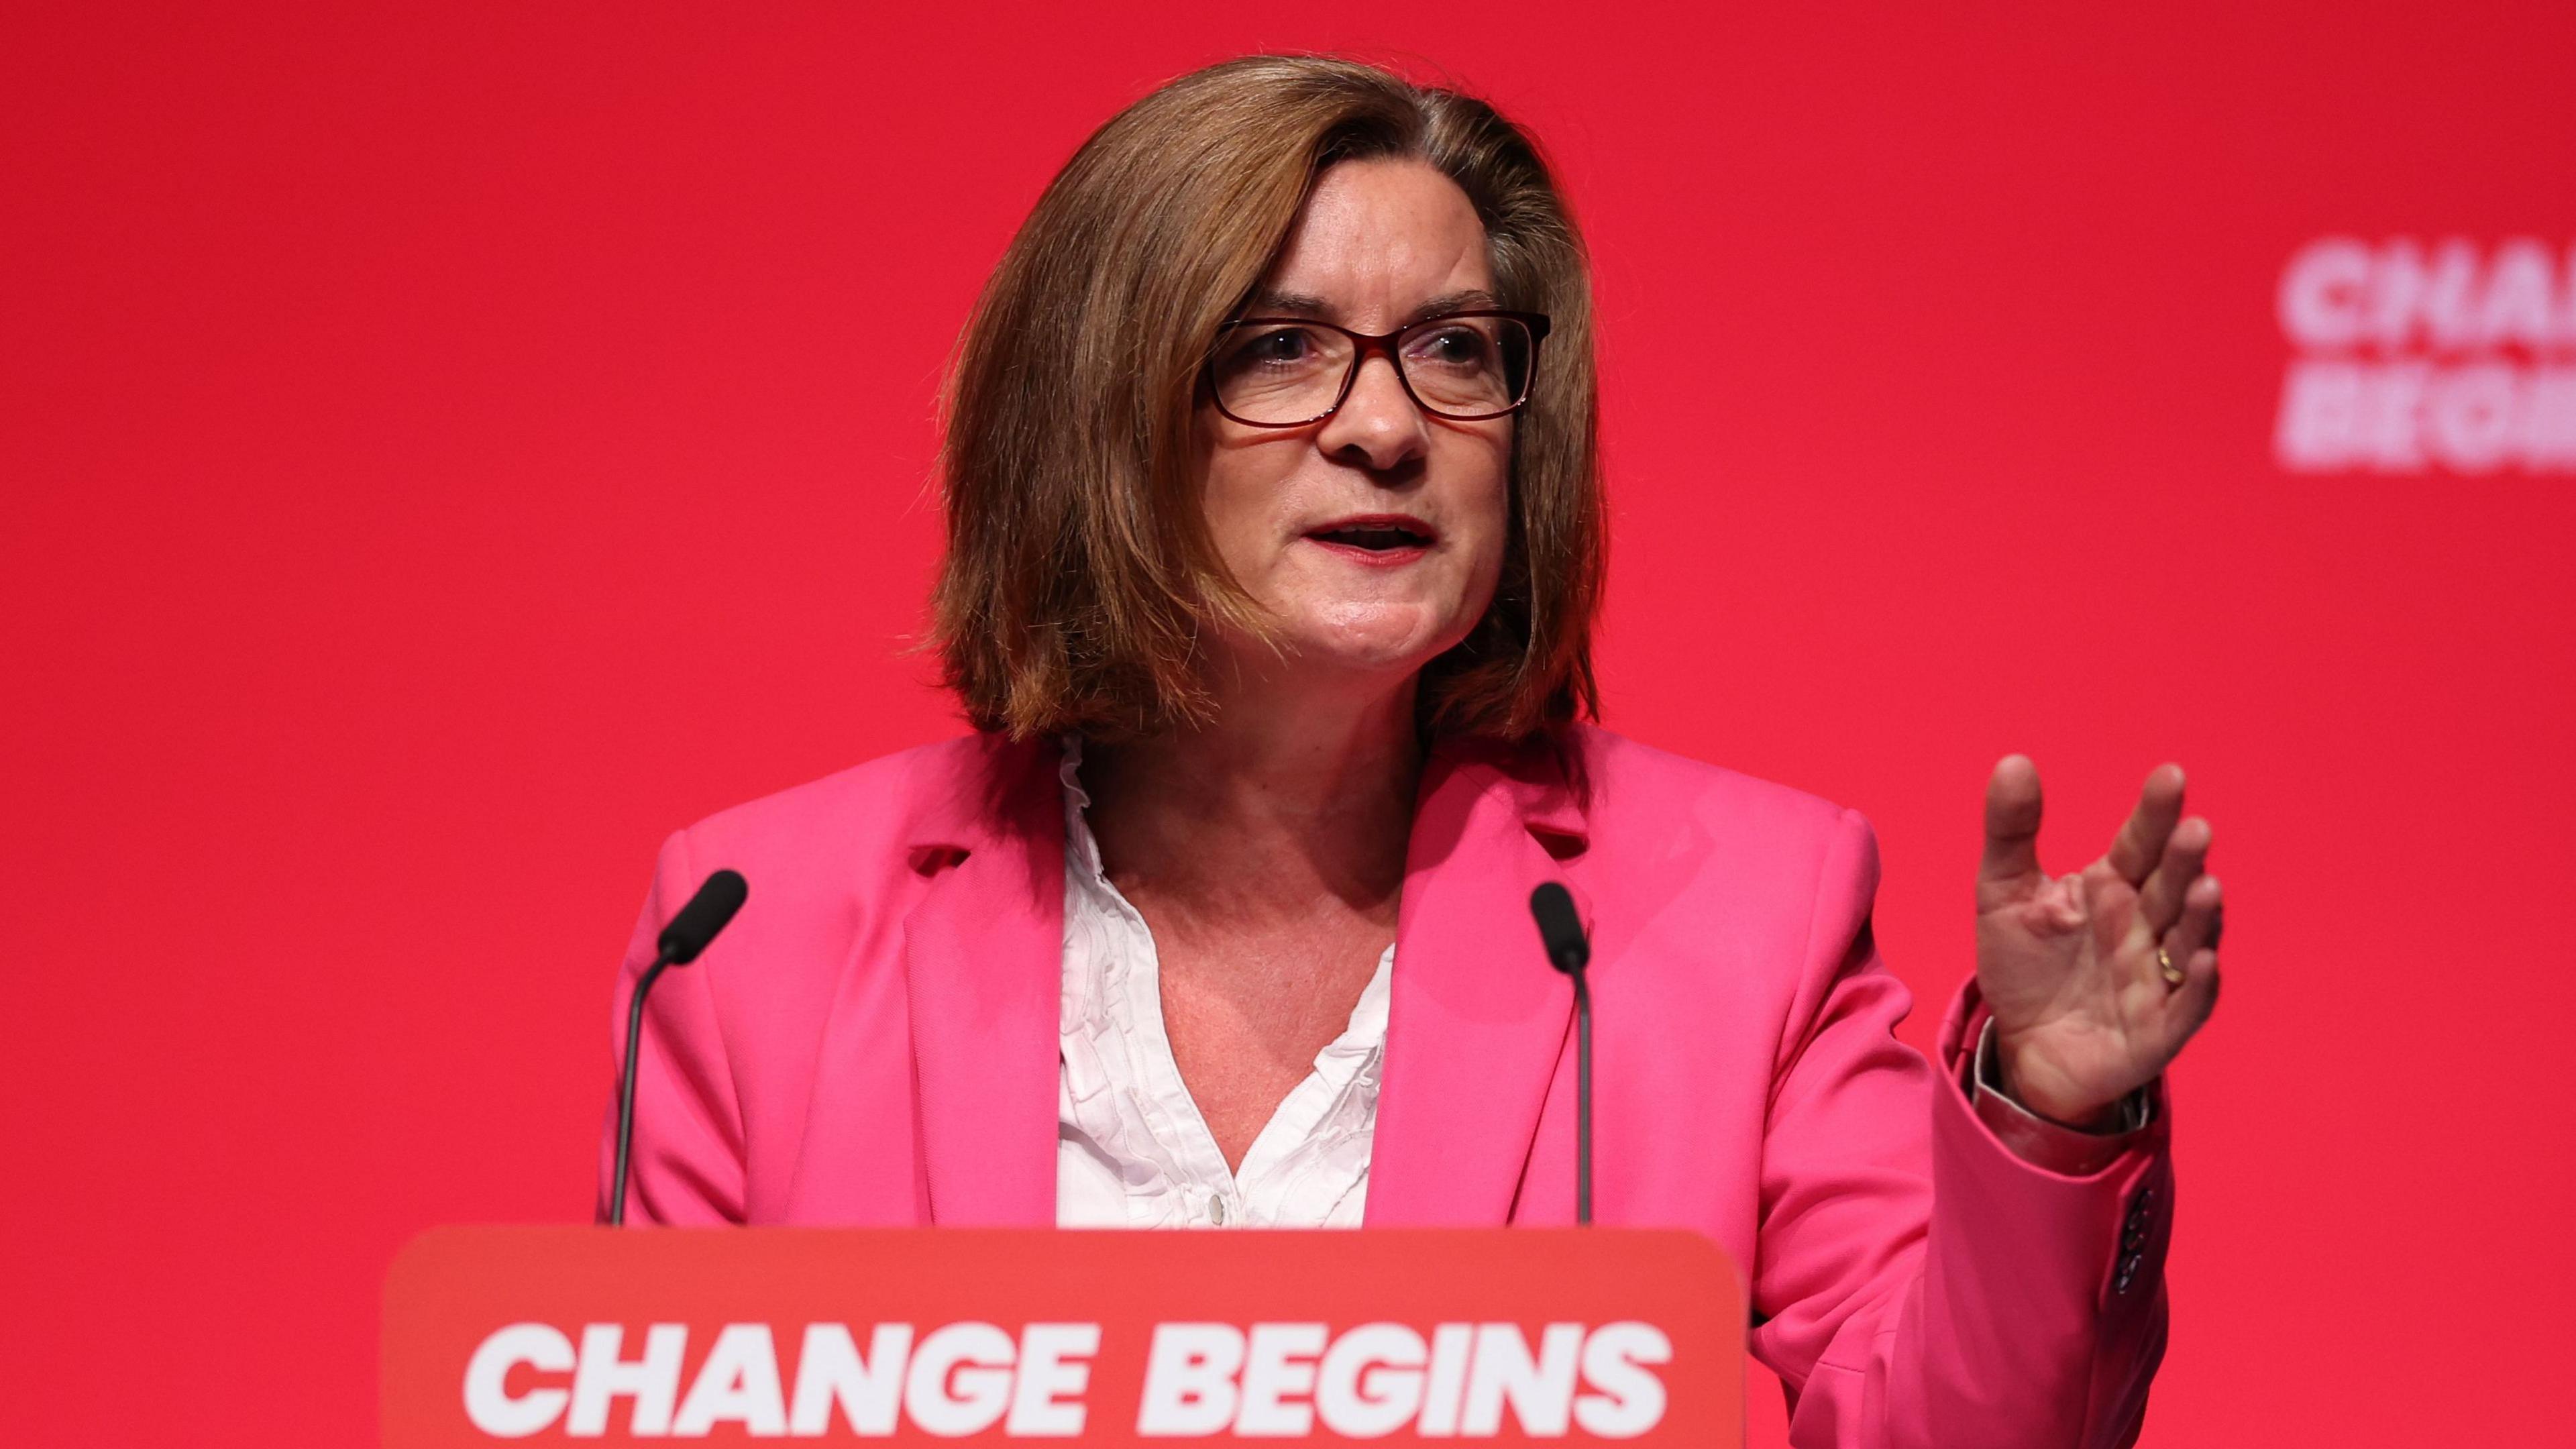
{"x":1079,"y":573}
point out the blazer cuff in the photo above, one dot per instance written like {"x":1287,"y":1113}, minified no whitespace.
{"x":2036,"y":1140}
{"x":2063,"y":1271}
{"x":2049,"y":1146}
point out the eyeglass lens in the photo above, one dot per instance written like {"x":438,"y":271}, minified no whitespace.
{"x":1281,"y":372}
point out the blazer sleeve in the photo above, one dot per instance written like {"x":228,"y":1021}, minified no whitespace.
{"x":1915,"y":1283}
{"x":687,"y":1166}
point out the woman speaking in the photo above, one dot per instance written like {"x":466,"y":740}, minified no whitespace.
{"x":1275,"y":539}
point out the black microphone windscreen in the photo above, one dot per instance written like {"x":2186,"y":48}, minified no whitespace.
{"x":704,"y":915}
{"x":1559,"y":928}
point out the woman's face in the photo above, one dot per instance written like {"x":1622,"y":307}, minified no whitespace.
{"x":1380,"y":244}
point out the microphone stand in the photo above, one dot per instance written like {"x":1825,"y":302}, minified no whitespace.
{"x":626,"y":1083}
{"x":1569,"y":950}
{"x":696,"y":924}
{"x":1582,"y":1096}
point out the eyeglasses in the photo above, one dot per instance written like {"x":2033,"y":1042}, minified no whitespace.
{"x":1287,"y":372}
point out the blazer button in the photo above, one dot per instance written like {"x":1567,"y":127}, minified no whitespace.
{"x":2120,"y":1284}
{"x":2135,"y":1237}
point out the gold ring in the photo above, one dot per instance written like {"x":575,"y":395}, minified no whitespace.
{"x":2172,"y":973}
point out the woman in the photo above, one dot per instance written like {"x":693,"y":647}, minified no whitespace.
{"x":1274,"y":544}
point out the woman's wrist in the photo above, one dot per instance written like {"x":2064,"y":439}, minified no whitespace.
{"x":1995,"y":1063}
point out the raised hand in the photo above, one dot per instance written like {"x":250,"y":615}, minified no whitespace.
{"x":2086,"y":1011}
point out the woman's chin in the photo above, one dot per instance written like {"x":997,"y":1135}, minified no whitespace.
{"x":1372,"y":644}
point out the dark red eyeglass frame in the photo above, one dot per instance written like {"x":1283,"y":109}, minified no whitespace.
{"x":1370,"y":344}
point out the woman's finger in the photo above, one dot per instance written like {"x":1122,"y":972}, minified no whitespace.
{"x":2201,"y":902}
{"x":2141,"y":841}
{"x":2186,"y":852}
{"x":2195,"y":929}
{"x":2010,"y":866}
{"x":2189,"y":1005}
{"x":2192,"y":944}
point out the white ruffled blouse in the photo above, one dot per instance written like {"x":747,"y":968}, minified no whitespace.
{"x":1131,"y":1148}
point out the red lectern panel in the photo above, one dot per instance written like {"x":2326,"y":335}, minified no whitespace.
{"x":603,"y":1336}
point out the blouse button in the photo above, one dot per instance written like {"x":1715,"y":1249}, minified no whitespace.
{"x":1216,"y":1211}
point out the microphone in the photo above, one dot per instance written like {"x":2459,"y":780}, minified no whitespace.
{"x":1560,"y":930}
{"x":679,"y":944}
{"x":706,"y":913}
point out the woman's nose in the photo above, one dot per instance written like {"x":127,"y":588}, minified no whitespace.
{"x":1377,"y":426}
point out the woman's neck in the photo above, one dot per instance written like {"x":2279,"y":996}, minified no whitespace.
{"x":1300,"y":795}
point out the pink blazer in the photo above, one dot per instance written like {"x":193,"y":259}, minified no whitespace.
{"x":873,"y":1041}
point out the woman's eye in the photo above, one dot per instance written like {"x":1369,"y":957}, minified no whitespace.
{"x":1286,"y":345}
{"x":1453,"y":347}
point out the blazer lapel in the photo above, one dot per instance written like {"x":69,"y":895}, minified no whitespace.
{"x":1478,"y":1021}
{"x":983,"y":953}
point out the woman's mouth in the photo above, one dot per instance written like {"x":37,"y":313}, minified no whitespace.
{"x":1377,"y":538}
{"x":1374,"y":539}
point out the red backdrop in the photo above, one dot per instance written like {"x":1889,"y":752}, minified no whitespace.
{"x":448,"y":447}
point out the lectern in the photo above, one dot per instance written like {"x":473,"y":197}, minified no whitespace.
{"x":603,"y":1336}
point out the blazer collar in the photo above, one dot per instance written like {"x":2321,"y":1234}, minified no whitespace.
{"x":1477,"y":1024}
{"x":983,"y":954}
{"x":1479,"y":1021}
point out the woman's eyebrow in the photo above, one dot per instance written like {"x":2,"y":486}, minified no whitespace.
{"x":1472,"y":300}
{"x":1289,"y":304}
{"x":1268,"y":303}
